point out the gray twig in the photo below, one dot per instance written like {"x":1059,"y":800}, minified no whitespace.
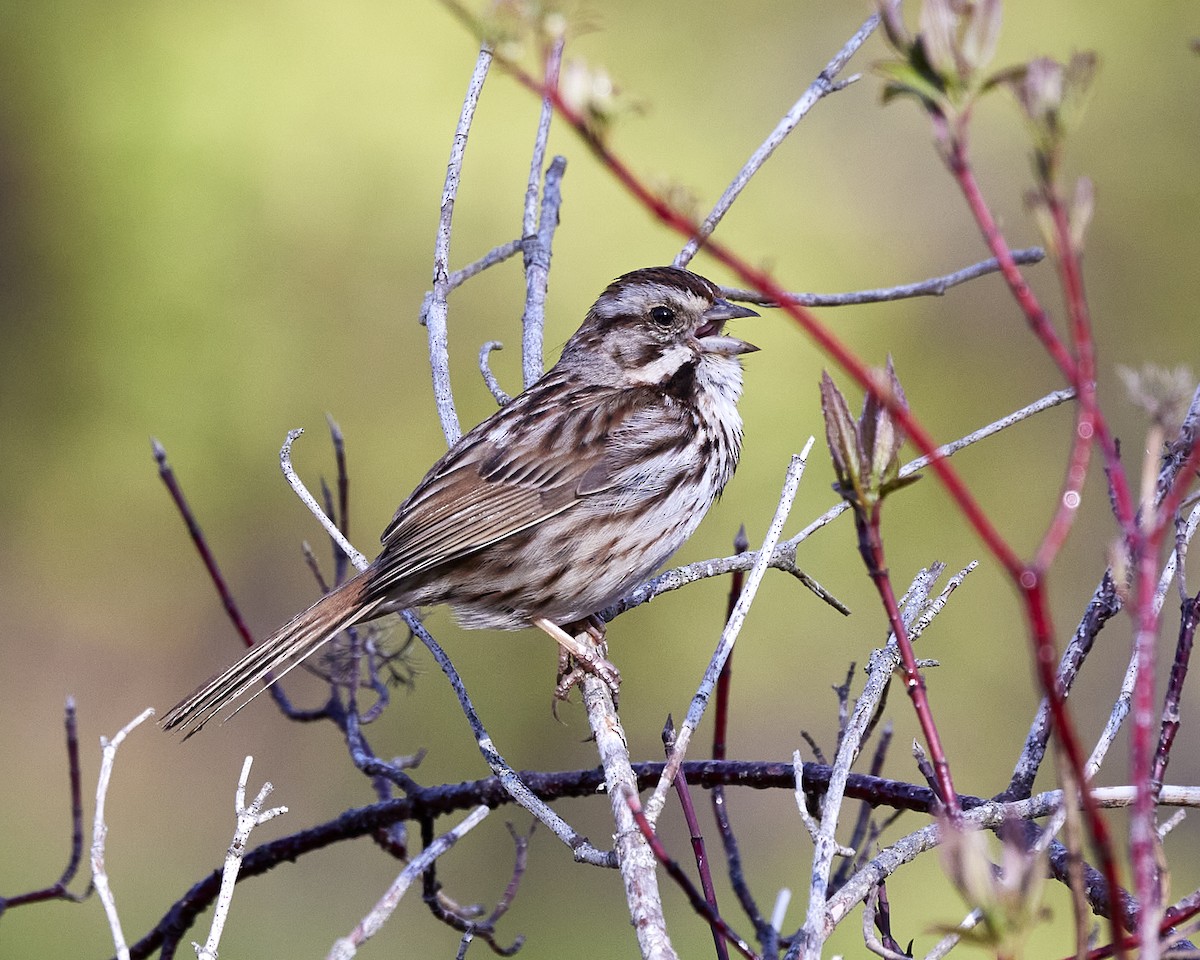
{"x":496,"y":255}
{"x":822,"y":86}
{"x":489,"y":378}
{"x":285,"y":462}
{"x":933,"y":287}
{"x":537,"y":249}
{"x":436,"y":306}
{"x":635,"y":859}
{"x":346,"y":947}
{"x":538,"y":232}
{"x":100,"y":831}
{"x":919,"y":609}
{"x":990,"y":814}
{"x":248,"y":817}
{"x":1121,"y":706}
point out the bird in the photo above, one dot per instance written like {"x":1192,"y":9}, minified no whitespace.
{"x":560,"y":502}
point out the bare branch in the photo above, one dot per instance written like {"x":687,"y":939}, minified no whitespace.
{"x":1121,"y":706}
{"x":347,"y":946}
{"x":635,"y":859}
{"x":933,"y":287}
{"x":513,"y":785}
{"x":489,"y":378}
{"x":285,"y":462}
{"x":100,"y":830}
{"x":537,"y":245}
{"x":537,"y":273}
{"x":919,"y":609}
{"x":248,"y":817}
{"x":436,"y":306}
{"x":58,"y":890}
{"x":818,"y":89}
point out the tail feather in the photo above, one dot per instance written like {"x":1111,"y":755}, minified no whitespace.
{"x":293,"y":643}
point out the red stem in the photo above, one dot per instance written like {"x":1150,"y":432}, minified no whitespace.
{"x":871,"y":546}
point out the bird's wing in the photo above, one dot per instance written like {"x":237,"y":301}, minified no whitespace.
{"x":530,"y":463}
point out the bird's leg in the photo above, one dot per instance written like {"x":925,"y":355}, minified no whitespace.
{"x":587,"y":650}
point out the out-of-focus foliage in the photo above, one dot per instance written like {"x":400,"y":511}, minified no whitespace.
{"x":217,"y":223}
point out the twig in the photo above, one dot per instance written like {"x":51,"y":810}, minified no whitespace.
{"x":167,"y":475}
{"x":536,"y":245}
{"x":988,"y":814}
{"x":872,"y":915}
{"x":865,"y":831}
{"x":1104,"y":605}
{"x":733,"y":626}
{"x":553,"y":62}
{"x":489,"y":378}
{"x":494,"y":257}
{"x":583,"y":851}
{"x":347,"y":947}
{"x":933,"y":287}
{"x":342,"y":516}
{"x":1179,"y":667}
{"x":100,"y":830}
{"x":285,"y":463}
{"x":767,"y":935}
{"x":248,"y":817}
{"x":538,"y":248}
{"x":436,"y":306}
{"x":951,"y":940}
{"x":821,"y":87}
{"x":699,"y":903}
{"x":697,"y":838}
{"x":58,"y":890}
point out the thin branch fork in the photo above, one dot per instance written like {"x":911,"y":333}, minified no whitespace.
{"x":59,"y":890}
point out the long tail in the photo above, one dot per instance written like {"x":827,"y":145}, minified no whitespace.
{"x":291,"y":644}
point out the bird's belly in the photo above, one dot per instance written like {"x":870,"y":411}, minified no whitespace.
{"x":580,"y":565}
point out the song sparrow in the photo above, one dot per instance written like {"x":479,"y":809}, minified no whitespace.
{"x":561,"y":501}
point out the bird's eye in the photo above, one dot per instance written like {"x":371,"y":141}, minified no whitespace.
{"x":661,"y":316}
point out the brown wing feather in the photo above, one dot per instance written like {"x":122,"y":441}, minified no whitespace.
{"x":532,"y":475}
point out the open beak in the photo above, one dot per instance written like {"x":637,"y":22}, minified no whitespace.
{"x":710,"y":335}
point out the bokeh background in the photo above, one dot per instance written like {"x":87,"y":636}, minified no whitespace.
{"x":217,"y":223}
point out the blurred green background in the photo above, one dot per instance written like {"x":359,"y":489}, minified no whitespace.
{"x":217,"y":225}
